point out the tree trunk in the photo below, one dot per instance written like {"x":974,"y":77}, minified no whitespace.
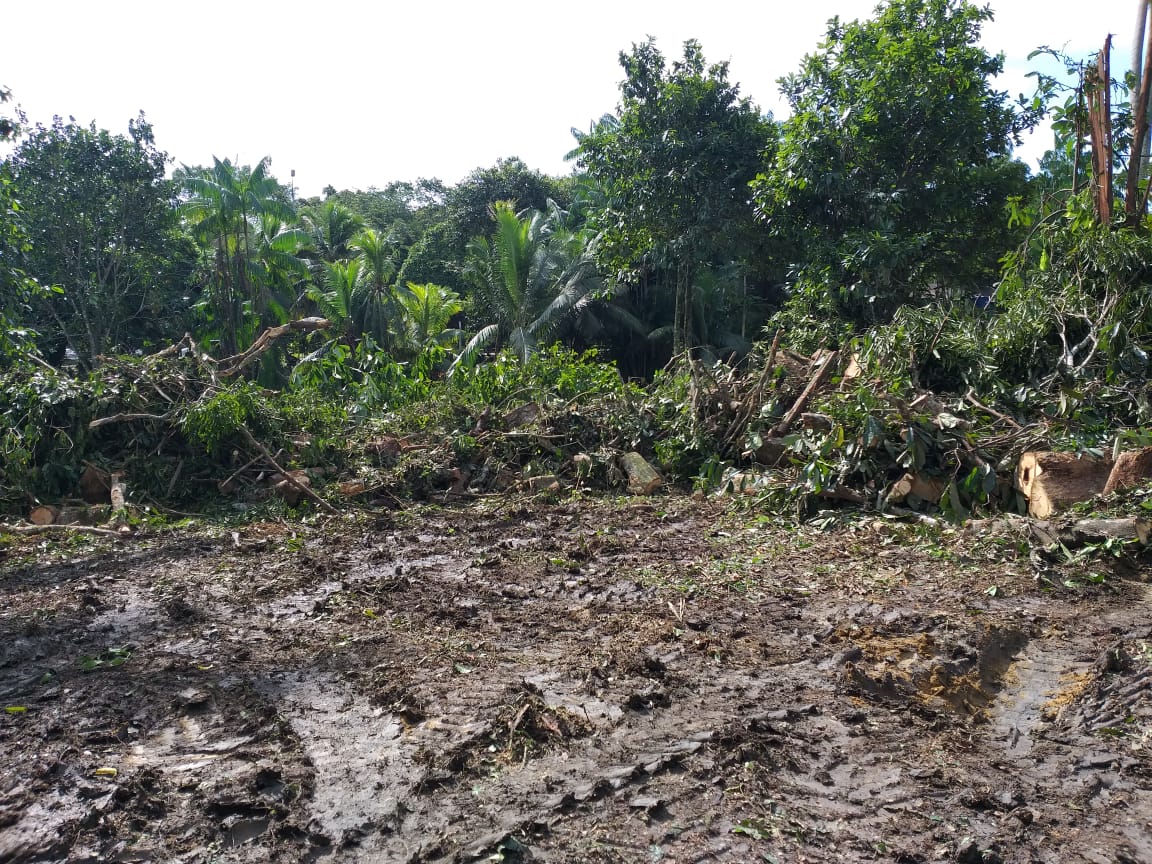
{"x":1132,"y":468}
{"x":1052,"y":481}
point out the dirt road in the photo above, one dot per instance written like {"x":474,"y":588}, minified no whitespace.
{"x":579,"y":682}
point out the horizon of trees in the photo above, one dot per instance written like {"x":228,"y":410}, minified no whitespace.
{"x":691,"y":220}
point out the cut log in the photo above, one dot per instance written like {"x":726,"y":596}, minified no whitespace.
{"x":642,"y":477}
{"x":1130,"y":528}
{"x":928,"y":489}
{"x":1052,"y":481}
{"x":1132,"y":468}
{"x":95,"y":485}
{"x":45,"y":514}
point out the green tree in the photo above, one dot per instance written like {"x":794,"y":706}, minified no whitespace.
{"x":427,"y":311}
{"x":674,"y":163}
{"x":524,"y":283}
{"x":101,"y":226}
{"x":331,"y":228}
{"x":224,"y":208}
{"x":893,"y":172}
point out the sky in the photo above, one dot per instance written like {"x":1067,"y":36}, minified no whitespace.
{"x":358,"y":94}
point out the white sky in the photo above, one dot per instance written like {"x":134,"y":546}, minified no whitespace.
{"x":359,"y":94}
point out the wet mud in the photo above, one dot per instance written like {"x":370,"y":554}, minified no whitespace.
{"x":595,"y":681}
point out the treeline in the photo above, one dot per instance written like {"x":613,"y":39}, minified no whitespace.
{"x":886,"y":217}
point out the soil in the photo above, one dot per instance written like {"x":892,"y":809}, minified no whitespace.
{"x":593,"y":681}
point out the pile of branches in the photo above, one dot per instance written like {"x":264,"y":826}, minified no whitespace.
{"x":821,"y":427}
{"x":136,"y":417}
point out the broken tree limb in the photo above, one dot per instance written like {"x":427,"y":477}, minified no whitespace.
{"x":971,"y":400}
{"x":802,"y":400}
{"x":288,"y":478}
{"x":236,"y":363}
{"x":26,"y":530}
{"x":1098,"y":86}
{"x":124,"y":418}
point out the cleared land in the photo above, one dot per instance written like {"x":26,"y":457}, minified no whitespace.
{"x":591,"y":681}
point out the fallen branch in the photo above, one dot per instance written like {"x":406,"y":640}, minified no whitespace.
{"x":802,"y":400}
{"x":288,"y":478}
{"x":56,"y":529}
{"x":971,"y":400}
{"x":232,"y":365}
{"x":125,"y":418}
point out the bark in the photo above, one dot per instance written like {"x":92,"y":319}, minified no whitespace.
{"x":1132,"y":468}
{"x":1053,"y":481}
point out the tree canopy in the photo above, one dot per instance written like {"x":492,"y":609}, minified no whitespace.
{"x":894,"y":169}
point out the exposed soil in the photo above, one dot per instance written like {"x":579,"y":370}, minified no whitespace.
{"x":596,"y":681}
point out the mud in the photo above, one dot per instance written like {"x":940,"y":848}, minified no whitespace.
{"x":595,"y":681}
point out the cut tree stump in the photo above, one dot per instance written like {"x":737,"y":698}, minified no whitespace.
{"x":45,"y":514}
{"x":1132,"y":468}
{"x":1053,"y":481}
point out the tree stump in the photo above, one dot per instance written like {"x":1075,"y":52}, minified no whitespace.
{"x":1053,"y":481}
{"x":1132,"y":468}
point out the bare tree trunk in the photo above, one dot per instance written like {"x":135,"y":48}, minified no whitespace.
{"x":1133,"y":204}
{"x":1098,"y":87}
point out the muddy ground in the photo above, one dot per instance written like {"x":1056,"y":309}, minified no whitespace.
{"x":657,"y":680}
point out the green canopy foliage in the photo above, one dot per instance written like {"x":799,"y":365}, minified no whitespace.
{"x":894,"y":169}
{"x":674,"y":163}
{"x":97,"y":215}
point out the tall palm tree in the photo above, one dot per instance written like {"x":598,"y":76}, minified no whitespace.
{"x":526,"y":279}
{"x":224,"y":206}
{"x":376,"y":298}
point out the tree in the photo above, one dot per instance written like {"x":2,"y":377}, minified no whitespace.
{"x":524,"y":284}
{"x":675,"y":162}
{"x":427,"y":310}
{"x":331,"y":228}
{"x":894,"y":169}
{"x":225,"y":204}
{"x":101,"y":226}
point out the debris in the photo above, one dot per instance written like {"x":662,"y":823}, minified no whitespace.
{"x":642,"y":477}
{"x":820,"y":376}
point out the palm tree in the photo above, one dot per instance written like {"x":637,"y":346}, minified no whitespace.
{"x":376,"y":299}
{"x":336,"y":298}
{"x":527,"y":280}
{"x":331,"y":229}
{"x":225,"y":204}
{"x":427,"y":311}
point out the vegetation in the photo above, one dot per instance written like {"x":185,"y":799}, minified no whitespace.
{"x":666,"y":297}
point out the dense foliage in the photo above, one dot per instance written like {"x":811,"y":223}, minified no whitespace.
{"x":885,"y":219}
